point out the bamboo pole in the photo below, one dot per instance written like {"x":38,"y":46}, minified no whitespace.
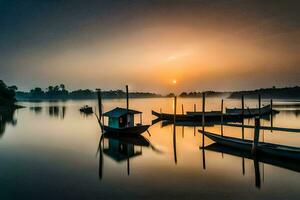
{"x":175,"y":105}
{"x":127,"y":98}
{"x":243,"y":106}
{"x":222,"y":117}
{"x":203,"y":108}
{"x":256,"y":135}
{"x":271,"y":104}
{"x":259,"y":104}
{"x":182,"y":110}
{"x":99,"y":102}
{"x":203,"y":116}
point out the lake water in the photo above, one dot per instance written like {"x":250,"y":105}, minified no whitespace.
{"x":49,"y":150}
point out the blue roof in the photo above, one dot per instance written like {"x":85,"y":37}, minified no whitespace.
{"x":118,"y":112}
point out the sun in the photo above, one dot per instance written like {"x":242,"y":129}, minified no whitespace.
{"x":174,"y":81}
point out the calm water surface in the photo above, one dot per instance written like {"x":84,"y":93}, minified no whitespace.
{"x":51,"y":151}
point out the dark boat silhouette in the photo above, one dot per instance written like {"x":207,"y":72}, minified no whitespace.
{"x":265,"y":110}
{"x":282,"y":151}
{"x":86,"y":109}
{"x":197,"y":116}
{"x":121,"y":121}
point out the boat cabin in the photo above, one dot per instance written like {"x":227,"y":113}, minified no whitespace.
{"x":122,"y":117}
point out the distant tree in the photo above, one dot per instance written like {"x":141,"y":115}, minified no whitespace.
{"x":50,"y":88}
{"x":171,"y":95}
{"x":183,"y":94}
{"x":7,"y":94}
{"x":37,"y":92}
{"x":13,"y":87}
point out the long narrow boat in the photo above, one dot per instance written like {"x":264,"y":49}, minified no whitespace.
{"x":265,"y":110}
{"x":282,"y":151}
{"x":209,"y":117}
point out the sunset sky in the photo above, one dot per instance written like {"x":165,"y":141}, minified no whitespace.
{"x":203,"y":45}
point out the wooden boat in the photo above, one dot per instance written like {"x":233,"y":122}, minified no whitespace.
{"x":289,"y":164}
{"x":265,"y":110}
{"x":121,"y":120}
{"x":209,"y":117}
{"x":186,"y":123}
{"x":277,"y":150}
{"x":86,"y":109}
{"x":135,"y":130}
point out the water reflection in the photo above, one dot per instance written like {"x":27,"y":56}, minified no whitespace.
{"x":36,"y":109}
{"x":294,"y":112}
{"x":288,"y":164}
{"x":6,"y":117}
{"x":57,"y":111}
{"x":120,"y":149}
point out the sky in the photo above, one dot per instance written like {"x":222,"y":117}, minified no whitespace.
{"x":148,"y":44}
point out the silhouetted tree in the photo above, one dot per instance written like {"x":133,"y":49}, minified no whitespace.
{"x":7,"y":95}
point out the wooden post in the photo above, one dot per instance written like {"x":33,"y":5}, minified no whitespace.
{"x":222,"y":119}
{"x":257,"y":172}
{"x":175,"y":105}
{"x":271,"y":104}
{"x":243,"y":106}
{"x":182,"y":109}
{"x":194,"y":126}
{"x":141,"y":119}
{"x":127,"y":98}
{"x":259,"y":104}
{"x":256,"y":135}
{"x":203,"y":116}
{"x":99,"y":102}
{"x":203,"y":108}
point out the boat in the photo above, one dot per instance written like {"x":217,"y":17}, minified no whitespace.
{"x":86,"y":109}
{"x":265,"y":110}
{"x":121,"y":121}
{"x":214,"y":116}
{"x":282,"y":151}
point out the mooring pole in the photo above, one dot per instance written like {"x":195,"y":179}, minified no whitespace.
{"x":127,"y":98}
{"x":182,"y":109}
{"x":259,"y":104}
{"x":175,"y":105}
{"x":243,"y":116}
{"x":222,"y":119}
{"x":256,"y":135}
{"x":203,"y":108}
{"x":243,"y":107}
{"x":203,"y":116}
{"x":174,"y":131}
{"x":271,"y":104}
{"x":99,"y":102}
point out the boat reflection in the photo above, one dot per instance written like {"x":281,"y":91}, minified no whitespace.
{"x":288,"y":164}
{"x":121,"y":149}
{"x":36,"y":109}
{"x":57,"y":111}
